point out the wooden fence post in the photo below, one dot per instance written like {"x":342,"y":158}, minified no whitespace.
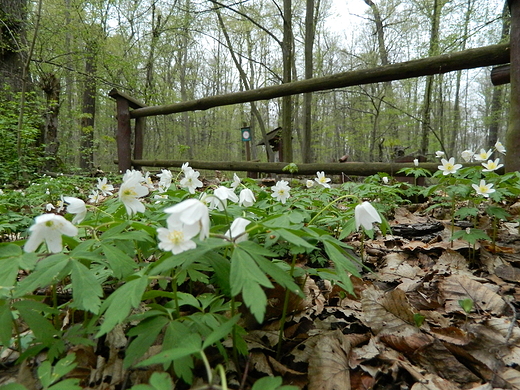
{"x":124,"y":130}
{"x":512,"y":162}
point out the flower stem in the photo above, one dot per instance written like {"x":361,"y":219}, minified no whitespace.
{"x":284,"y":312}
{"x":330,"y":204}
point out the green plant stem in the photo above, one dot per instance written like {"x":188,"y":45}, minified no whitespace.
{"x":330,"y":204}
{"x":223,"y":379}
{"x":175,"y":297}
{"x":207,"y":366}
{"x":284,"y":312}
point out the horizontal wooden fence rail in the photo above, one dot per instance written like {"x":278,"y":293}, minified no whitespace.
{"x":466,"y":59}
{"x":350,"y":168}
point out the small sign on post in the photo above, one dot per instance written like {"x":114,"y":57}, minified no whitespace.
{"x":246,"y":134}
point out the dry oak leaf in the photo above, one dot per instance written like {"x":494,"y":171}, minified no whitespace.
{"x":329,"y":363}
{"x":434,"y":382}
{"x":458,"y":287}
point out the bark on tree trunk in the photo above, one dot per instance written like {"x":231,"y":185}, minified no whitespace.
{"x":13,"y":14}
{"x":52,"y":87}
{"x":512,"y":162}
{"x":498,"y":92}
{"x":86,"y":156}
{"x":287,"y":49}
{"x":307,"y":155}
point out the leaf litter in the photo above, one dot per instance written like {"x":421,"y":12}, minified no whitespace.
{"x":407,"y":327}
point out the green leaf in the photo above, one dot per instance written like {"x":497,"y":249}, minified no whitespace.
{"x":86,"y":290}
{"x":42,"y":328}
{"x":244,"y":271}
{"x":220,"y":332}
{"x":292,"y":237}
{"x":14,"y":386}
{"x":6,"y":324}
{"x":118,"y":305}
{"x":122,"y":264}
{"x":191,"y":344}
{"x":471,"y":235}
{"x":466,"y":304}
{"x":497,"y":212}
{"x":45,"y":374}
{"x":65,"y":365}
{"x":255,"y":299}
{"x":67,"y":384}
{"x":146,"y":332}
{"x":48,"y":271}
{"x":161,"y":381}
{"x":272,"y":383}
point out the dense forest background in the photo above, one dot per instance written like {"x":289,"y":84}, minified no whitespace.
{"x":68,"y":54}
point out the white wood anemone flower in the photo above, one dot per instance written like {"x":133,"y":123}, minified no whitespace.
{"x":449,"y":166}
{"x":76,"y":206}
{"x":483,"y":155}
{"x":237,"y":230}
{"x":223,"y":194}
{"x":165,"y":180}
{"x":191,"y":180}
{"x":500,"y":147}
{"x":129,"y":192}
{"x":49,"y":228}
{"x":105,"y":188}
{"x":190,"y":213}
{"x":246,"y":198}
{"x":236,"y":181}
{"x":467,"y":155}
{"x":365,"y":214}
{"x":483,"y":188}
{"x":322,"y":180}
{"x":492,"y":165}
{"x":177,"y":238}
{"x":281,"y":191}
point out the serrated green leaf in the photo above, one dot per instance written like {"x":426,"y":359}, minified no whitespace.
{"x":48,"y":271}
{"x":9,"y":250}
{"x":67,"y":384}
{"x":293,"y":238}
{"x":191,"y":344}
{"x":86,"y":289}
{"x":220,"y":332}
{"x":14,"y":386}
{"x":6,"y":324}
{"x":65,"y":365}
{"x":118,"y":305}
{"x":255,"y":299}
{"x":8,"y":271}
{"x":161,"y":381}
{"x":42,"y":328}
{"x":122,"y":264}
{"x":146,"y":332}
{"x":244,"y":271}
{"x":45,"y":374}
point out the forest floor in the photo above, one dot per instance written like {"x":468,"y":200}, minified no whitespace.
{"x":431,"y":314}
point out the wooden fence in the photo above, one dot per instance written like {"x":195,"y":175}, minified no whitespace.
{"x":129,"y":108}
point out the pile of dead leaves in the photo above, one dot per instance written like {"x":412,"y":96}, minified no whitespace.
{"x":407,"y":327}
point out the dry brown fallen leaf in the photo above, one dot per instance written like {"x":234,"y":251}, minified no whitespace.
{"x":329,"y":363}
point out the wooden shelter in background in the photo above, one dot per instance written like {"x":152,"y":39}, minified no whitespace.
{"x":274,"y":138}
{"x":493,"y":55}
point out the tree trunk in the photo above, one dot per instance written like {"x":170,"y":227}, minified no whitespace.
{"x":512,"y":162}
{"x":307,"y":155}
{"x":52,"y":88}
{"x":287,"y":51}
{"x":13,"y":14}
{"x":86,"y":156}
{"x":498,"y":91}
{"x":428,"y":89}
{"x":247,"y":86}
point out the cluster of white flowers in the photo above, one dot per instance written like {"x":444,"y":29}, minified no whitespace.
{"x":187,"y":220}
{"x":483,"y":188}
